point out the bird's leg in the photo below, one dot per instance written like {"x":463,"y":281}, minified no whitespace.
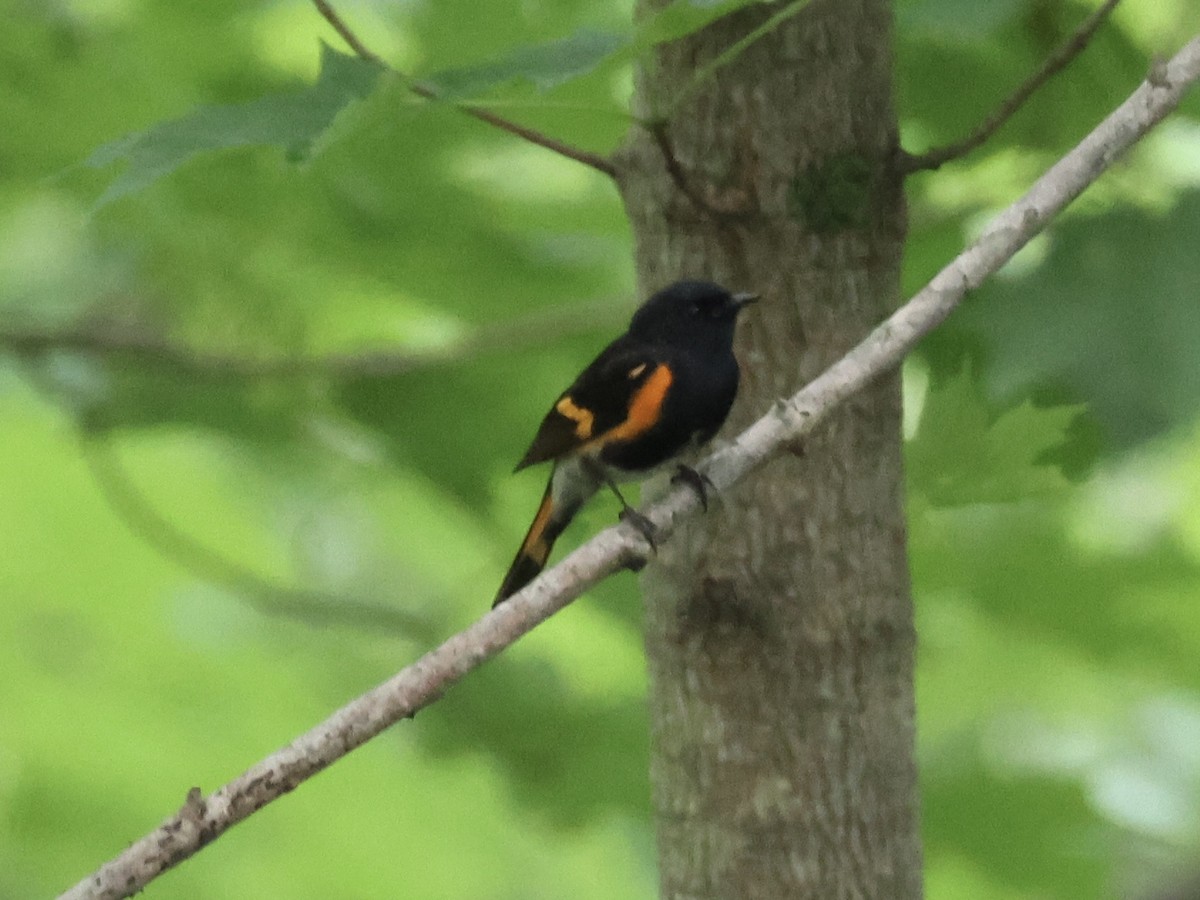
{"x":697,"y":481}
{"x":645,"y":527}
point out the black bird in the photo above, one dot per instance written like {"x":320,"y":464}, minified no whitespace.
{"x":662,"y":388}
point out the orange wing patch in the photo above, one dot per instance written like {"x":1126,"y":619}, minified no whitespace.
{"x":583,"y":418}
{"x":645,"y":408}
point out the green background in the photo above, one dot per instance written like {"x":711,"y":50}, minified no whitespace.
{"x":203,"y":556}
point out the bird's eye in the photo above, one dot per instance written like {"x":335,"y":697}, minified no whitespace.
{"x":695,"y":309}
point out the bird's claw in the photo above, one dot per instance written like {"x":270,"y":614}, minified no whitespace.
{"x":645,"y":527}
{"x":697,"y":481}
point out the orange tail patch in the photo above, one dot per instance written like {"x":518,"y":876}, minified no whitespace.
{"x":535,"y":550}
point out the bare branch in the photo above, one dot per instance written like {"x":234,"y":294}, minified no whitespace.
{"x":532,"y":135}
{"x":203,"y":820}
{"x":1054,"y":63}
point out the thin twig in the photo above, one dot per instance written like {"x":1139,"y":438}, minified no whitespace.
{"x":658,"y":130}
{"x":532,"y":135}
{"x":345,"y":32}
{"x":201,"y":820}
{"x":130,"y":505}
{"x":907,"y":163}
{"x":594,"y":160}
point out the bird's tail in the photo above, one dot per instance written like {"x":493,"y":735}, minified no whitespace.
{"x":553,"y":515}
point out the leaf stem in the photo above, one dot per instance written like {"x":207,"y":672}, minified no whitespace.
{"x":1054,"y":63}
{"x":532,"y":135}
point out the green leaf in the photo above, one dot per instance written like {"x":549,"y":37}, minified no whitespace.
{"x":683,"y":17}
{"x":1116,"y":329}
{"x":548,"y":65}
{"x":959,"y":456}
{"x":1025,"y":565}
{"x":294,"y":120}
{"x":543,"y":65}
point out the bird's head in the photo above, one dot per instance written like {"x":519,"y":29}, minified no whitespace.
{"x":690,"y":307}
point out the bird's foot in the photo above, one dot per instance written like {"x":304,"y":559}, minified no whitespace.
{"x":645,"y":527}
{"x":697,"y":481}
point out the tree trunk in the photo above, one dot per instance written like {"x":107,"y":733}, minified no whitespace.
{"x":779,"y":627}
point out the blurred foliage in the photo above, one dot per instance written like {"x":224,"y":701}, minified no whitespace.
{"x":278,"y":204}
{"x":293,"y":120}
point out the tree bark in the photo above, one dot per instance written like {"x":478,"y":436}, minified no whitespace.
{"x":779,"y":629}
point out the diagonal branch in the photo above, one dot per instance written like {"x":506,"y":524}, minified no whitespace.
{"x":1054,"y":63}
{"x":533,"y":136}
{"x":203,"y":819}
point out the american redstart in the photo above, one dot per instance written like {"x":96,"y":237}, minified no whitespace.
{"x":662,"y":388}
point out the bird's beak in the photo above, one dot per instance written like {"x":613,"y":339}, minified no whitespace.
{"x":741,"y":300}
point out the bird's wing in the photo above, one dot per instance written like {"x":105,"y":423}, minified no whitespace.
{"x":617,"y":397}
